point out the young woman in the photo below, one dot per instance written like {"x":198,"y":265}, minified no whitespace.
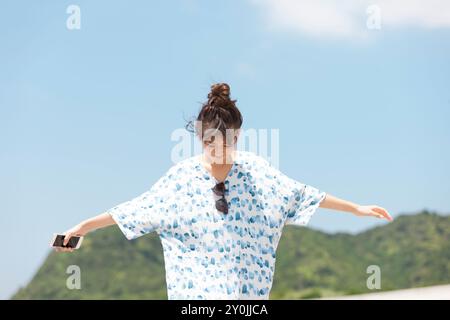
{"x":220,"y":214}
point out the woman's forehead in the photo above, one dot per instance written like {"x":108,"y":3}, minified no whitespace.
{"x":217,"y":135}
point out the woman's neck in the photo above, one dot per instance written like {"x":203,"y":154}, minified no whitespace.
{"x":218,"y":170}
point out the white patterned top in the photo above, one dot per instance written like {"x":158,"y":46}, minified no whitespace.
{"x":209,"y":254}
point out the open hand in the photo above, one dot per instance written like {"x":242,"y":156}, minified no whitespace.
{"x":373,"y":211}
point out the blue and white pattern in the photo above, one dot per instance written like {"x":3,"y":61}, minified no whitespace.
{"x":209,"y":254}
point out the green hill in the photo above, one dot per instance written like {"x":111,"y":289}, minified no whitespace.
{"x":412,"y":251}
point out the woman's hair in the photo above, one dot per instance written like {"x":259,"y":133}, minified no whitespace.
{"x":219,"y":112}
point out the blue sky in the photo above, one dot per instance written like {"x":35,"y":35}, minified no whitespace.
{"x":86,"y":115}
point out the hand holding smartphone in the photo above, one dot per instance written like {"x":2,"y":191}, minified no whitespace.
{"x":58,"y":242}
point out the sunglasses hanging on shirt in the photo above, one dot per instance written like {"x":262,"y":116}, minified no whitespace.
{"x":221,"y":204}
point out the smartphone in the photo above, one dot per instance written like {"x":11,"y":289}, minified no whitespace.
{"x":58,"y":240}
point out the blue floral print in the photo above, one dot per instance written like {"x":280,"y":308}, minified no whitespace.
{"x":209,"y":254}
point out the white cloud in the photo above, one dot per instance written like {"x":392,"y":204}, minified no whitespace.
{"x":347,"y":18}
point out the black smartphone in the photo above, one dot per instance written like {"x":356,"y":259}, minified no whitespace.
{"x":58,"y":240}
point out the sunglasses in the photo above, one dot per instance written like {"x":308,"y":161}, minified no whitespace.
{"x":221,"y":204}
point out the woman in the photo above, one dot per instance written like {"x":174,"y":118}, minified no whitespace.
{"x":220,"y":214}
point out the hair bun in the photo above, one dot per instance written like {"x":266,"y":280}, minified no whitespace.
{"x":221,"y":90}
{"x":219,"y":112}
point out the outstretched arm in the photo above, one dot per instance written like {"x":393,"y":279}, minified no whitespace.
{"x":334,"y":203}
{"x":101,"y":221}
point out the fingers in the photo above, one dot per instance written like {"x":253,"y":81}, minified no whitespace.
{"x":375,"y":211}
{"x":67,"y":237}
{"x":375,"y":214}
{"x":383,"y":213}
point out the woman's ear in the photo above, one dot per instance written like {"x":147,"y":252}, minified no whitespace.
{"x":237,"y":133}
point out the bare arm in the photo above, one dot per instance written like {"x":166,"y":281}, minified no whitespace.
{"x":334,"y":203}
{"x":101,"y":221}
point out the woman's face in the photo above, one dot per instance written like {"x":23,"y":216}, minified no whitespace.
{"x":217,"y":151}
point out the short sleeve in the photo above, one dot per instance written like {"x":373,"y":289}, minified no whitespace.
{"x":299,"y":201}
{"x":303,"y":201}
{"x":143,"y":214}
